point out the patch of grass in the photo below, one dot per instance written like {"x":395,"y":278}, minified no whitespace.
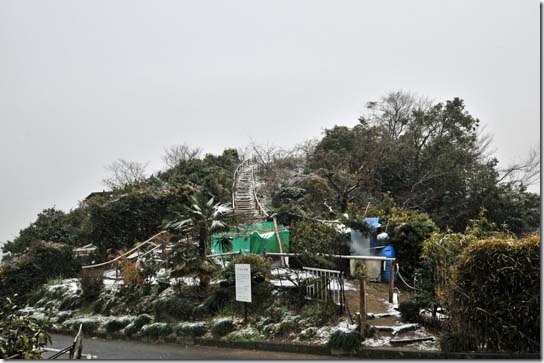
{"x":346,"y":341}
{"x":54,"y":281}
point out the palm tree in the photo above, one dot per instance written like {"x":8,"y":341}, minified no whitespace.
{"x":202,"y":217}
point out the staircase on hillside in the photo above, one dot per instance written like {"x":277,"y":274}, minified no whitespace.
{"x":244,"y":196}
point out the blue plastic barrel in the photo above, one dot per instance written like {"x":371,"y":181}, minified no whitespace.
{"x":387,"y":251}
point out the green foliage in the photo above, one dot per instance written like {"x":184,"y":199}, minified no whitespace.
{"x":409,"y":310}
{"x":212,"y":173}
{"x":216,"y":301}
{"x":22,"y":273}
{"x":261,"y":291}
{"x":312,"y":236}
{"x":20,"y":334}
{"x":496,"y":299}
{"x":222,"y":327}
{"x":201,"y":217}
{"x":128,"y":218}
{"x":320,"y":313}
{"x":346,"y":341}
{"x":260,"y":267}
{"x":134,"y":327}
{"x":50,"y":225}
{"x":156,"y":330}
{"x":173,"y":308}
{"x":116,"y":324}
{"x":407,"y":230}
{"x":440,"y":252}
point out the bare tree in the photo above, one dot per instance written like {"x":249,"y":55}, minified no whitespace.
{"x":125,"y":173}
{"x":175,"y":154}
{"x":526,"y":172}
{"x":394,"y":111}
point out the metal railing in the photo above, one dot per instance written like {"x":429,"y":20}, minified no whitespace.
{"x":326,"y":285}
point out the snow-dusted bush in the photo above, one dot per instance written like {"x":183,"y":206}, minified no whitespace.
{"x":156,"y":330}
{"x":193,"y":329}
{"x":222,"y":327}
{"x":117,"y":324}
{"x":137,"y":324}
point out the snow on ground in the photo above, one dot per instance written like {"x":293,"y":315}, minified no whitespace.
{"x":68,"y":285}
{"x":287,"y":278}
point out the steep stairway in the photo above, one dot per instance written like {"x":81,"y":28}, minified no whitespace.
{"x":244,"y":198}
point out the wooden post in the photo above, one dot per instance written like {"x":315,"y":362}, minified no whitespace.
{"x":362,"y":303}
{"x":245,"y":312}
{"x":277,"y":233}
{"x":391,"y":279}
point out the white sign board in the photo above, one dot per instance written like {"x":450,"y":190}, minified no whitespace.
{"x":242,"y":273}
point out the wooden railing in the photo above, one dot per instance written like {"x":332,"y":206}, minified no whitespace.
{"x":140,"y":245}
{"x":260,"y":207}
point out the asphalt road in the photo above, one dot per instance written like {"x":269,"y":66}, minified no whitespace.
{"x":122,"y":349}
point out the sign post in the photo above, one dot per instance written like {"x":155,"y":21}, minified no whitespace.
{"x":242,"y":274}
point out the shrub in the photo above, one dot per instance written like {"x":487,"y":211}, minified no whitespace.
{"x":409,"y":310}
{"x":216,"y":301}
{"x":22,"y":273}
{"x":260,"y":268}
{"x":409,"y":230}
{"x":312,"y":236}
{"x":260,"y":273}
{"x":136,"y":325}
{"x":222,"y":327}
{"x":496,"y":301}
{"x":91,"y":283}
{"x":456,"y":342}
{"x":20,"y":334}
{"x":131,"y":274}
{"x":116,"y":324}
{"x":173,"y":308}
{"x":347,"y":341}
{"x":156,"y":330}
{"x":193,"y":329}
{"x":440,"y":252}
{"x":319,"y":313}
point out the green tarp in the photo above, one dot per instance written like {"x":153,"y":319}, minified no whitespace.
{"x":256,"y":238}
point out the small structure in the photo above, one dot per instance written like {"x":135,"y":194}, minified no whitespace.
{"x":255,"y":238}
{"x":84,"y":251}
{"x":367,"y":245}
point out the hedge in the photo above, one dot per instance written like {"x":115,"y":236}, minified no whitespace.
{"x":496,"y":295}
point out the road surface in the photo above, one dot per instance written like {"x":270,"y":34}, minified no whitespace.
{"x":123,"y":349}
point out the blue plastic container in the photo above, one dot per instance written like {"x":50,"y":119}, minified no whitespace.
{"x":387,"y":251}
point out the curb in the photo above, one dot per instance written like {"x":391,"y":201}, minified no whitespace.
{"x":367,"y":353}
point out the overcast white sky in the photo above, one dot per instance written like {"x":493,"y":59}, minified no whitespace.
{"x":86,"y":82}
